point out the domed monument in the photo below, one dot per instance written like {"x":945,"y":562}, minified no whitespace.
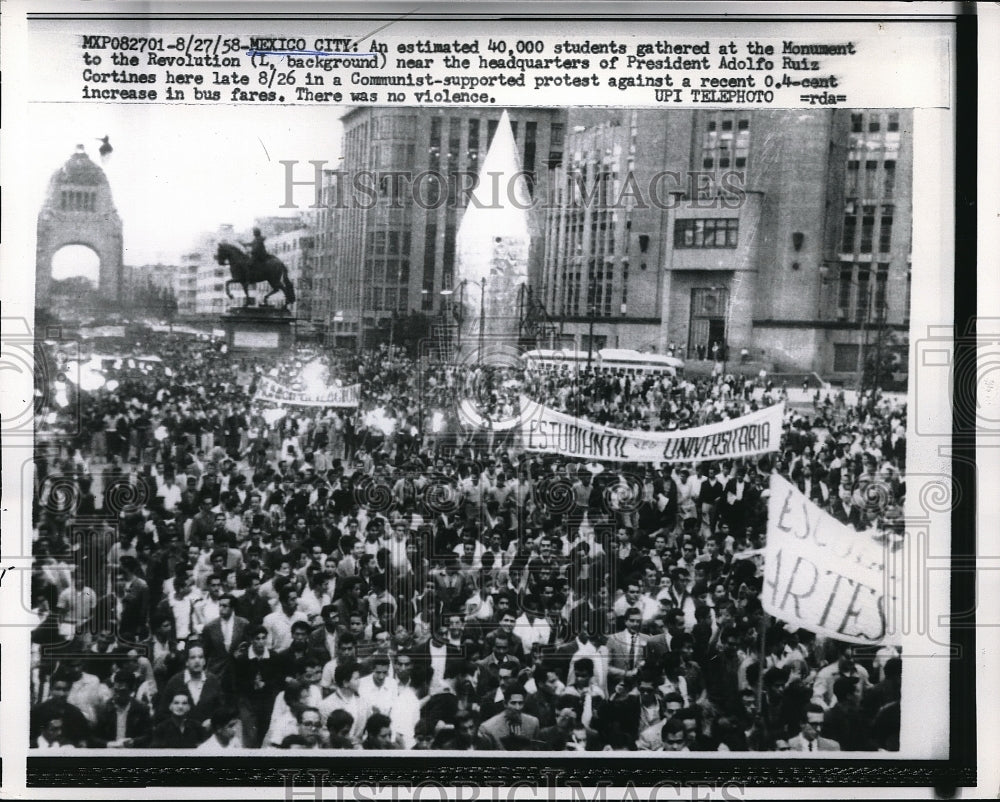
{"x":79,"y":210}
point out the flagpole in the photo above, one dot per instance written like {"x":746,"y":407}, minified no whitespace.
{"x":760,"y":674}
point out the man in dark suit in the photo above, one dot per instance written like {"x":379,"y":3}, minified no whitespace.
{"x":257,"y":679}
{"x":292,"y":660}
{"x":251,"y":605}
{"x":204,"y":688}
{"x":75,"y":727}
{"x":809,"y":739}
{"x":512,"y":730}
{"x":452,"y":587}
{"x":738,"y":500}
{"x":221,"y":637}
{"x":437,"y":658}
{"x":121,"y":721}
{"x":327,"y":634}
{"x":844,"y":510}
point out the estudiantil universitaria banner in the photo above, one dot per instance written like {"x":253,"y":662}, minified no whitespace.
{"x":553,"y":432}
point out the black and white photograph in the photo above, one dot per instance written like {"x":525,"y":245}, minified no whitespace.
{"x":479,"y":427}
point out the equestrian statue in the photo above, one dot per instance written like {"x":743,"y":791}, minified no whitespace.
{"x":258,"y":266}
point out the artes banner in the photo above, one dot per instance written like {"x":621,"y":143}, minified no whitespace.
{"x":557,"y":433}
{"x":272,"y":392}
{"x":824,"y":576}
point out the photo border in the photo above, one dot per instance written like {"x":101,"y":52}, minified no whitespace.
{"x":372,"y":769}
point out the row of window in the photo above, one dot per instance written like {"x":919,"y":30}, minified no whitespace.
{"x":388,"y":243}
{"x":875,"y":122}
{"x":871,"y":183}
{"x":707,"y":233}
{"x":72,"y":200}
{"x":862,"y":238}
{"x":725,"y":142}
{"x":381,"y":299}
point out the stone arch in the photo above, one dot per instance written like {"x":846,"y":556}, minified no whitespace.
{"x":79,"y":210}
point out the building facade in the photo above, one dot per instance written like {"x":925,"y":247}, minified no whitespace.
{"x":388,"y":245}
{"x":295,"y":247}
{"x":786,"y":233}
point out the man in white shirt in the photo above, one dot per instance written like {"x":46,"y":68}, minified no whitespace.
{"x":405,"y":710}
{"x":378,"y":689}
{"x":279,"y":623}
{"x":532,"y":627}
{"x":347,"y":678}
{"x":185,"y":604}
{"x":634,"y":597}
{"x":170,"y":492}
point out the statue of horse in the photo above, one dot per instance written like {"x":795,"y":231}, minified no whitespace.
{"x":244,"y":272}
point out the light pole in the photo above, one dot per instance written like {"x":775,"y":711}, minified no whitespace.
{"x":482,"y":317}
{"x":590,"y":336}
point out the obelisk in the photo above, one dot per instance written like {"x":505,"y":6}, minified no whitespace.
{"x":492,"y":248}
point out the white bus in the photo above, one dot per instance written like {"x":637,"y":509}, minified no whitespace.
{"x":611,"y":361}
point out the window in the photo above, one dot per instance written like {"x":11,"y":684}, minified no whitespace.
{"x":430,"y":252}
{"x":709,"y":233}
{"x":857,"y":124}
{"x":850,"y":228}
{"x":742,"y":143}
{"x":473,"y":146}
{"x":893,"y":124}
{"x":889,"y":183}
{"x":454,"y":141}
{"x":885,"y":230}
{"x":530,"y":132}
{"x":844,"y":289}
{"x":851,"y":182}
{"x":556,"y":133}
{"x":874,"y":125}
{"x":871,"y":170}
{"x":862,"y":306}
{"x":867,"y":229}
{"x":435,"y":144}
{"x":845,"y":357}
{"x":881,"y":285}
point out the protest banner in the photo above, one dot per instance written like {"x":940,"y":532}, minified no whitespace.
{"x":824,"y":576}
{"x":270,"y":391}
{"x":557,"y":433}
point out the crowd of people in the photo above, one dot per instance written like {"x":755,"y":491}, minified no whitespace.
{"x":215,"y":573}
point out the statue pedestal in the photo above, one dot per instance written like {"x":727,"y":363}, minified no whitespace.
{"x":258,"y":328}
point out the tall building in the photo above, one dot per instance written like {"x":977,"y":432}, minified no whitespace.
{"x":395,"y":236}
{"x":186,"y":283}
{"x":294,"y":247}
{"x":783,"y":232}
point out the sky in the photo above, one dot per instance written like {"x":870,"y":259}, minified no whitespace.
{"x":177,"y":171}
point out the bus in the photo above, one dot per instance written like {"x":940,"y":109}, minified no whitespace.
{"x":611,"y":361}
